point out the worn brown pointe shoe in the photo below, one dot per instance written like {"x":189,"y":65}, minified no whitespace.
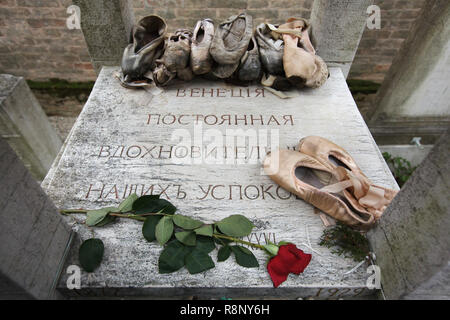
{"x":178,"y":50}
{"x":146,"y":45}
{"x":175,"y":60}
{"x":308,"y":178}
{"x":201,"y":60}
{"x":356,"y":187}
{"x":250,"y":67}
{"x":271,"y":50}
{"x":231,"y":40}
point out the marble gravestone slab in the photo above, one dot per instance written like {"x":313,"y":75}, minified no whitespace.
{"x":181,"y":143}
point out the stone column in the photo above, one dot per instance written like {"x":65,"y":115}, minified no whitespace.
{"x":25,"y":126}
{"x":414,"y":97}
{"x":337,"y":28}
{"x":106,"y":26}
{"x":412,"y":242}
{"x":34,"y":239}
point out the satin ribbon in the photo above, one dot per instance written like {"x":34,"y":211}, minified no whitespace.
{"x":368,"y":195}
{"x":292,"y":32}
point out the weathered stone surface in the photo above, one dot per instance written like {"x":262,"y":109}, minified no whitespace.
{"x":34,"y":239}
{"x":106,"y":158}
{"x":25,"y":126}
{"x":106,"y":26}
{"x":337,"y":28}
{"x":411,"y":240}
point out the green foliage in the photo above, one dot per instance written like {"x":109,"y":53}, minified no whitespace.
{"x":224,"y":253}
{"x":362,"y":86}
{"x":186,"y":222}
{"x":149,"y":228}
{"x":90,"y":254}
{"x":400,"y":167}
{"x":101,"y":217}
{"x":172,"y":257}
{"x":198,"y":261}
{"x":345,"y":241}
{"x":190,"y":247}
{"x":127,"y":204}
{"x":205,"y":231}
{"x":152,"y":204}
{"x":244,"y":257}
{"x":164,"y":230}
{"x":236,"y":226}
{"x":186,"y":237}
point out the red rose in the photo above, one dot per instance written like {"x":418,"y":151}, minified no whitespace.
{"x":289,"y":259}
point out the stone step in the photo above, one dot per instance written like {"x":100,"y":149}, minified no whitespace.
{"x":127,"y":141}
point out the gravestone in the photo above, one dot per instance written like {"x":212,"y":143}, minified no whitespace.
{"x":34,"y":239}
{"x":25,"y":126}
{"x":160,"y":142}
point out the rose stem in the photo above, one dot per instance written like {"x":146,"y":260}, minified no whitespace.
{"x":254,"y":245}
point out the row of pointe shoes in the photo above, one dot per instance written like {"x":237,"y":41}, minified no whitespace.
{"x":326,"y":176}
{"x":282,"y":56}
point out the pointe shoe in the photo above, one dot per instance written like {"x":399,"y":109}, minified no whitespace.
{"x":271,"y":50}
{"x":300,"y":62}
{"x":178,"y":50}
{"x":356,"y":187}
{"x":308,"y":178}
{"x":146,"y":45}
{"x":250,"y":67}
{"x":231,"y":40}
{"x":175,"y":60}
{"x":201,"y":60}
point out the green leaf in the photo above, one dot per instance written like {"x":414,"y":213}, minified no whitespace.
{"x":224,"y":253}
{"x":108,"y":219}
{"x":149,"y":228}
{"x":172,"y":257}
{"x":245,"y":250}
{"x":90,"y":254}
{"x":164,"y":230}
{"x":205,"y":244}
{"x":186,"y":237}
{"x":153,"y":204}
{"x":221,"y":241}
{"x":236,"y":226}
{"x":282,"y":243}
{"x":127,"y":204}
{"x":94,"y":217}
{"x":198,"y":261}
{"x":186,"y":222}
{"x":244,"y":257}
{"x":205,"y":231}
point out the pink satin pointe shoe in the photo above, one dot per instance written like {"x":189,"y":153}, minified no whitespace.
{"x":314,"y":182}
{"x":361,"y":193}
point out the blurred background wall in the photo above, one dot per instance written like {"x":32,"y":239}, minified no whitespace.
{"x":35,"y":42}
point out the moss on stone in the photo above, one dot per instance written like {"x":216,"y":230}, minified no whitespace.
{"x":62,"y":88}
{"x":362,"y":86}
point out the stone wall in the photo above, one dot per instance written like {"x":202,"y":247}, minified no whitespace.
{"x":35,"y":42}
